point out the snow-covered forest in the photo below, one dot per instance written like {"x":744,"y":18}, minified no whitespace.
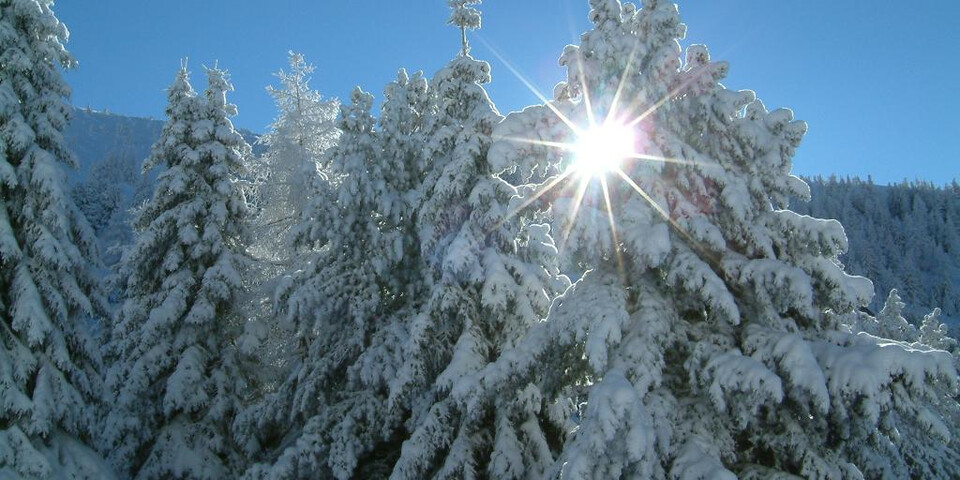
{"x":622,"y":281}
{"x":904,"y":236}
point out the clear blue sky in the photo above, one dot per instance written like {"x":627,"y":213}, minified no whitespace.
{"x":876,"y":81}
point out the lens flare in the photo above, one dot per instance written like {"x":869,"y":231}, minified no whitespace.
{"x":599,"y":144}
{"x":602,"y":148}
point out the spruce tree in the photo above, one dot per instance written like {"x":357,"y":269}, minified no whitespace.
{"x":368,"y":229}
{"x":700,"y":338}
{"x":50,"y":304}
{"x":925,"y":455}
{"x":890,"y":321}
{"x":935,"y":333}
{"x":491,"y":276}
{"x":406,"y":106}
{"x":175,"y":383}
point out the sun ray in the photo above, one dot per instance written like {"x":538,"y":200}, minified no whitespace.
{"x":666,"y":98}
{"x":656,"y":206}
{"x":545,"y":143}
{"x":697,"y":246}
{"x":529,"y":85}
{"x":654,"y":107}
{"x":614,"y":104}
{"x":657,"y":158}
{"x":613,"y":230}
{"x":542,"y":191}
{"x":577,"y":201}
{"x":586,"y":91}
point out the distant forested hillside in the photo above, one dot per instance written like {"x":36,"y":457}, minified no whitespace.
{"x":904,"y":236}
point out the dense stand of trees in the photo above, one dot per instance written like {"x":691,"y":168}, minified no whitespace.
{"x":904,"y":236}
{"x":437,"y":291}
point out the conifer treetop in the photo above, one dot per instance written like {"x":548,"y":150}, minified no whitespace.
{"x":465,"y":17}
{"x":218,"y":84}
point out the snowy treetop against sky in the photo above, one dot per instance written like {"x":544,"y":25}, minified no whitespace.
{"x":829,"y":62}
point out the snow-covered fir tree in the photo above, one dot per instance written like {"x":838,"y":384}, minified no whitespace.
{"x":930,"y":459}
{"x":890,"y":321}
{"x":367,"y":441}
{"x":491,"y":276}
{"x":50,"y":304}
{"x":699,"y":336}
{"x":175,"y":383}
{"x":304,"y":129}
{"x":407,"y":104}
{"x":927,"y":455}
{"x":934,"y":332}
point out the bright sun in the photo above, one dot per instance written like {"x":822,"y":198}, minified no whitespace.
{"x":602,"y":148}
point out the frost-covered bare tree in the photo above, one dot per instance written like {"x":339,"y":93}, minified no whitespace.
{"x":292,"y":166}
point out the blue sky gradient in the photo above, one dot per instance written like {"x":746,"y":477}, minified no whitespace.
{"x":875,"y":81}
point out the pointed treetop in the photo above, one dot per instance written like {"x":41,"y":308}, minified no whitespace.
{"x":298,"y":78}
{"x":465,"y":17}
{"x":218,"y":84}
{"x":181,"y":84}
{"x":180,"y":88}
